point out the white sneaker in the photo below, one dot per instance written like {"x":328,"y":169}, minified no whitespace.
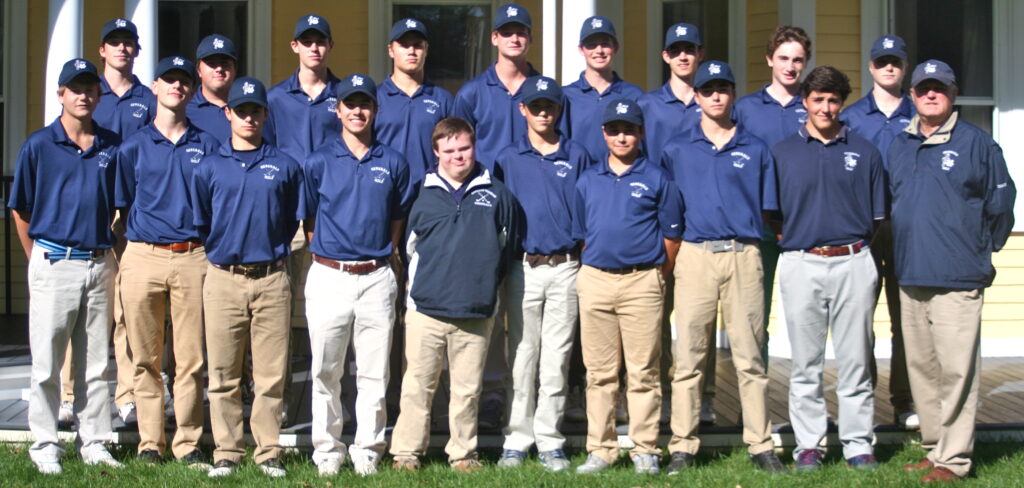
{"x":592,"y":465}
{"x":646,"y":464}
{"x":328,"y":467}
{"x":273,"y":468}
{"x":910,"y":421}
{"x":51,"y":467}
{"x":96,"y":454}
{"x":66,"y":414}
{"x":707,"y":412}
{"x":365,"y":462}
{"x":127,"y":413}
{"x":222,"y":468}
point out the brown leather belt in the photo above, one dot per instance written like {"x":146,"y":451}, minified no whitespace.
{"x":253,"y":270}
{"x":351,"y":268}
{"x":629,"y":269}
{"x":179,"y":246}
{"x":830,"y":251}
{"x":552,"y":260}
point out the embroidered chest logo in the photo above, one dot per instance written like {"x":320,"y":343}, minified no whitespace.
{"x":638,"y":189}
{"x":562,"y":168}
{"x":680,"y":31}
{"x":484,"y":198}
{"x":904,"y":122}
{"x":269,"y":171}
{"x":218,"y":43}
{"x":739,"y":159}
{"x":380,"y":174}
{"x":431,"y":106}
{"x":195,"y":155}
{"x":332,"y":104}
{"x":139,"y":110}
{"x":850,"y":160}
{"x":949,"y":159}
{"x":801,"y":115}
{"x":103,"y":159}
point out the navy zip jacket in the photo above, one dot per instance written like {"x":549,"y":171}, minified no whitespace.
{"x":459,"y":248}
{"x":952,"y":205}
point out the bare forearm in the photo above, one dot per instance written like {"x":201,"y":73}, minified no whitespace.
{"x":21,"y":223}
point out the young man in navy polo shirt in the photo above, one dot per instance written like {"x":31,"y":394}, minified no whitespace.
{"x":164,"y":264}
{"x":587,"y":97}
{"x":359,"y":193}
{"x":831,"y":196}
{"x":726,"y":178}
{"x":62,"y":205}
{"x":880,"y":116}
{"x":247,"y":204}
{"x":541,"y":169}
{"x":463,"y":235}
{"x":410,"y":105}
{"x":628,"y":215}
{"x":952,"y":207}
{"x":217,"y":67}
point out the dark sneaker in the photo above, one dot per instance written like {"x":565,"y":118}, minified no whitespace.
{"x":809,"y":460}
{"x":768,"y":461}
{"x":196,"y":460}
{"x":222,"y":468}
{"x":865,"y":462}
{"x":151,"y":456}
{"x":679,"y":462}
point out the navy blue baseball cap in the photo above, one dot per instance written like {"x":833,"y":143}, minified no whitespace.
{"x":713,"y":70}
{"x":597,"y":25}
{"x":247,"y":90}
{"x":119,"y":24}
{"x":933,"y":69}
{"x":405,"y":26}
{"x":682,"y":32}
{"x":356,"y":83}
{"x":312,"y":22}
{"x":512,"y":13}
{"x":216,"y":44}
{"x":171,"y":63}
{"x":889,"y":46}
{"x":75,"y":68}
{"x":623,"y":110}
{"x":538,"y":87}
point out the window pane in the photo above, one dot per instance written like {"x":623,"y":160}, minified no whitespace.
{"x":958,"y":32}
{"x":183,"y":24}
{"x":979,"y":115}
{"x":710,"y":16}
{"x":459,"y":37}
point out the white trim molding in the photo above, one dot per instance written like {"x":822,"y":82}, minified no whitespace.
{"x":1008,"y":71}
{"x":259,"y":42}
{"x":14,"y":81}
{"x":803,"y":14}
{"x":64,"y":42}
{"x":737,"y":42}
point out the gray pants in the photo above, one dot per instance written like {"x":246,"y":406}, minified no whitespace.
{"x":71,"y":301}
{"x":819,"y":294}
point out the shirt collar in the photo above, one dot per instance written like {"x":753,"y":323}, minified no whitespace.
{"x":200,"y":100}
{"x":585,"y":85}
{"x":767,"y":98}
{"x":941,"y":136}
{"x":264,"y":151}
{"x":293,"y":86}
{"x":341,"y":150}
{"x":636,"y":168}
{"x":491,"y":76}
{"x":132,"y":90}
{"x":480,"y":177}
{"x":524,"y":146}
{"x":391,"y":89}
{"x":903,"y":109}
{"x":191,"y":134}
{"x":668,"y":96}
{"x":58,"y":136}
{"x":739,"y":138}
{"x":841,"y":136}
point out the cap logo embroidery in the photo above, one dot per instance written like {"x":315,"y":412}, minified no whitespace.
{"x":741,"y":159}
{"x":887,"y":43}
{"x":312,"y":20}
{"x":542,"y":85}
{"x":79,"y":65}
{"x":357,"y":81}
{"x":621,"y":108}
{"x":218,"y":43}
{"x":121,"y":23}
{"x":680,"y":31}
{"x":248,"y":88}
{"x":929,"y":68}
{"x":410,"y":24}
{"x":596,"y":23}
{"x":512,"y":12}
{"x":850,"y":160}
{"x":948,"y":160}
{"x":178,"y":61}
{"x":714,"y":68}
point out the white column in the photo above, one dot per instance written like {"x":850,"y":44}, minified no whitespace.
{"x":574,"y":12}
{"x":65,"y":42}
{"x":800,"y":13}
{"x":144,"y":14}
{"x":550,"y":31}
{"x":1008,"y":119}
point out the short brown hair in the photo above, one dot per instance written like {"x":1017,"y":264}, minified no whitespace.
{"x":826,"y":79}
{"x":450,"y":127}
{"x":787,"y":33}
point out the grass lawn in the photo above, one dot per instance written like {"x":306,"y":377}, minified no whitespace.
{"x":996,"y":465}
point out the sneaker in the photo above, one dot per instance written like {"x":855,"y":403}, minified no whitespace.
{"x":66,"y":414}
{"x":768,"y":461}
{"x":466,"y":466}
{"x":406,"y":464}
{"x":510,"y":458}
{"x":707,"y":412}
{"x":646,"y":464}
{"x":909,"y":421}
{"x":127,"y":413}
{"x":196,"y":460}
{"x":150,"y":456}
{"x":592,"y":465}
{"x":273,"y":468}
{"x":97,"y":454}
{"x":491,"y":413}
{"x":621,"y":409}
{"x":328,"y":467}
{"x":864,"y":462}
{"x":554,"y":460}
{"x":222,"y":468}
{"x":809,"y":460}
{"x":48,"y":467}
{"x":679,"y":462}
{"x":365,"y":462}
{"x":576,"y":405}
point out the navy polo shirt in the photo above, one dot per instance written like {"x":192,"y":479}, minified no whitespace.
{"x":494,"y":113}
{"x":865,"y":118}
{"x":829,"y":194}
{"x":545,"y":185}
{"x":622,"y":219}
{"x":767,"y":119}
{"x":209,"y":117}
{"x":666,"y":116}
{"x":247,"y":206}
{"x":68,"y":192}
{"x":153,"y":179}
{"x":355,"y":200}
{"x":298,"y":123}
{"x":406,"y":123}
{"x":127,"y":113}
{"x":584,"y":107}
{"x":724,"y":189}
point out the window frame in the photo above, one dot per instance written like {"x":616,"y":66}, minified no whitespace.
{"x":656,"y":42}
{"x":15,"y":88}
{"x":258,"y":48}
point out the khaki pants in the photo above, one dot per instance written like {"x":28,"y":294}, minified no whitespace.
{"x":620,"y":317}
{"x":704,"y":278}
{"x":241,"y":313}
{"x":943,"y":328}
{"x":151,"y":279}
{"x":428,"y":340}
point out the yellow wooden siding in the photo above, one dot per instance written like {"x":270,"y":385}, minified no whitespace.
{"x":634,"y":41}
{"x":762,"y":18}
{"x":35,"y":51}
{"x":837,"y":42}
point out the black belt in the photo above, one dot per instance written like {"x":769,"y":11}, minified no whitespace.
{"x":552,"y":260}
{"x":253,"y":270}
{"x":629,"y":269}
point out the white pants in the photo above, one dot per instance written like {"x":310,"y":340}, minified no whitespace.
{"x":343,"y":307}
{"x":71,"y":301}
{"x":542,"y":313}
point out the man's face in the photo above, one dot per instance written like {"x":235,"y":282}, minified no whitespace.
{"x":119,"y":50}
{"x":598,"y":51}
{"x":823,"y":110}
{"x":512,"y":40}
{"x":246,"y":120}
{"x":715,"y":99}
{"x":888,"y":71}
{"x":683,"y":58}
{"x":933,"y":99}
{"x":216,"y":72}
{"x":409,"y":52}
{"x":356,"y":113}
{"x":541,"y":115}
{"x":173,"y":89}
{"x":623,"y":138}
{"x":79,"y":97}
{"x":312,"y":48}
{"x":787,"y":63}
{"x":455,"y":156}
